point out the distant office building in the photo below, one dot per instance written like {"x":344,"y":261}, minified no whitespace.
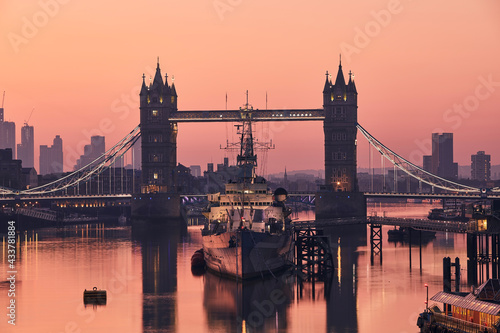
{"x":136,"y":154}
{"x":195,"y":170}
{"x":441,"y":161}
{"x":210,"y":167}
{"x":10,"y":170}
{"x":7,"y":134}
{"x":26,"y":149}
{"x":91,"y":152}
{"x":51,"y":158}
{"x":427,"y":165}
{"x":481,"y":166}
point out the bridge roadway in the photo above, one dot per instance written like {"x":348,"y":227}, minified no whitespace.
{"x":23,"y":198}
{"x":256,"y":115}
{"x":418,"y":224}
{"x":291,"y":194}
{"x":413,"y":195}
{"x":422,"y":224}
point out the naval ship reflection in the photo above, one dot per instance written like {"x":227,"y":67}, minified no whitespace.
{"x":251,"y":306}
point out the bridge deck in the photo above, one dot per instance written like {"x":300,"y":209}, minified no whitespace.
{"x":256,"y":115}
{"x":419,"y":224}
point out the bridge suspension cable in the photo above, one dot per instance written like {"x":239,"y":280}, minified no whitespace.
{"x":414,"y":170}
{"x":92,"y":169}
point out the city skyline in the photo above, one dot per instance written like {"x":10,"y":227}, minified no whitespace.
{"x":418,"y":70}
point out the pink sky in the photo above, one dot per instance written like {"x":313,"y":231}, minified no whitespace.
{"x":83,"y":64}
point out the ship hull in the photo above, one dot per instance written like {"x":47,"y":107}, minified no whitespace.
{"x":245,"y":254}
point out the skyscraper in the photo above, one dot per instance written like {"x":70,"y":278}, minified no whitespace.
{"x":26,"y":149}
{"x":92,"y":151}
{"x":7,"y":134}
{"x":480,"y":166}
{"x":427,"y":163}
{"x":51,"y":158}
{"x":441,"y":161}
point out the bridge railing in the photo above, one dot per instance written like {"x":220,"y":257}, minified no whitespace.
{"x":462,"y":325}
{"x":423,"y":224}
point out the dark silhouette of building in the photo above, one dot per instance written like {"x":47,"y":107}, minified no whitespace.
{"x":7,"y":134}
{"x":427,"y":163}
{"x":441,"y":161}
{"x":29,"y":178}
{"x":214,"y":181}
{"x":340,"y":102}
{"x":136,"y":153}
{"x":91,"y":152}
{"x":26,"y":149}
{"x":186,"y":183}
{"x":195,"y":170}
{"x":51,"y":158}
{"x":10,"y":170}
{"x":480,"y":166}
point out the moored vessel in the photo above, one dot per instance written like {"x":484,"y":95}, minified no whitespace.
{"x":248,"y":232}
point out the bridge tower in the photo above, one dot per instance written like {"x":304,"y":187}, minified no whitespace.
{"x":158,"y":197}
{"x":340,"y":104}
{"x":340,"y":197}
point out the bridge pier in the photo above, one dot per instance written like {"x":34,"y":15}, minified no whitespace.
{"x":155,"y":207}
{"x":340,"y":204}
{"x":375,"y":242}
{"x":479,"y":257}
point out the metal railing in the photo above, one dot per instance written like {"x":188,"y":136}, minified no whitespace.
{"x":462,"y":325}
{"x":424,"y":224}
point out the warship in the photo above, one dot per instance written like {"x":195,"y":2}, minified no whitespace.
{"x":248,"y":232}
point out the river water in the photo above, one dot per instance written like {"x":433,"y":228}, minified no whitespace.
{"x":151,"y":288}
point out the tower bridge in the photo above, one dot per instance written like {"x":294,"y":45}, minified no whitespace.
{"x":159,"y":116}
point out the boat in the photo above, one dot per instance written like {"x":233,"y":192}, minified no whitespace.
{"x":402,"y":234}
{"x":248,"y":233}
{"x":447,"y":215}
{"x":477,"y":311}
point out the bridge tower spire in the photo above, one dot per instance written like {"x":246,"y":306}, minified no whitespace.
{"x":158,"y":197}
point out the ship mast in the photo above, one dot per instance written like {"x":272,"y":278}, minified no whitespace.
{"x":246,"y":160}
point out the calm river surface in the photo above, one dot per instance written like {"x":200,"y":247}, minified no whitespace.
{"x":151,"y":288}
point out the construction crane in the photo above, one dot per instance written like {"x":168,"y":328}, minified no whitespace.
{"x":26,"y":121}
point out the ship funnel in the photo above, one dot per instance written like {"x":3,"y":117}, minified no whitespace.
{"x":280,"y":194}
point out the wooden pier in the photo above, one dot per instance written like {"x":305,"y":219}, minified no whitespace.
{"x":422,"y":224}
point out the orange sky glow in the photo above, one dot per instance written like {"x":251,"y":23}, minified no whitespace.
{"x":419,"y":66}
